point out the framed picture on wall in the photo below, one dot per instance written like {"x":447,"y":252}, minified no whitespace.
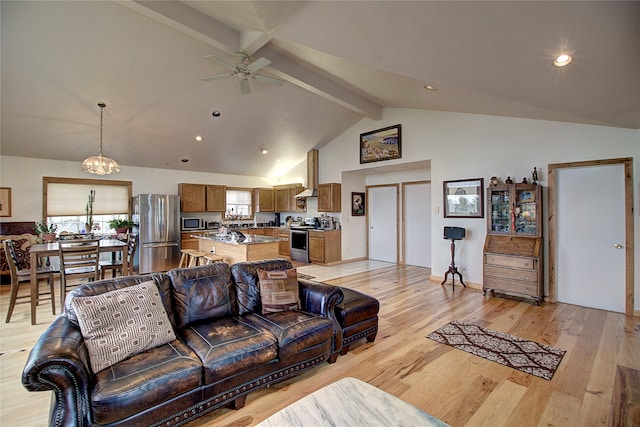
{"x":463,"y":198}
{"x":5,"y":201}
{"x":357,"y":204}
{"x":381,"y":144}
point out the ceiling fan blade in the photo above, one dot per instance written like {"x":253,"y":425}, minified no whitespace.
{"x":245,"y":88}
{"x":270,"y":80}
{"x":258,"y":64}
{"x":217,"y":77}
{"x":220,"y":61}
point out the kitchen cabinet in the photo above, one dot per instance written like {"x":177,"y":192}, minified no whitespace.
{"x":285,"y":200}
{"x":216,"y":200}
{"x":192,"y":197}
{"x":202,"y":198}
{"x":189,"y":242}
{"x":265,"y":199}
{"x":325,"y":247}
{"x":283,"y":246}
{"x":297,"y":205}
{"x":282,"y":199}
{"x":513,"y":248}
{"x":329,"y":197}
{"x":269,"y":232}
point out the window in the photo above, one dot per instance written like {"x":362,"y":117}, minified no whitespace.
{"x":65,"y":200}
{"x":239,"y":204}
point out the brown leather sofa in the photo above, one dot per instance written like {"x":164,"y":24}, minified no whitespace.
{"x":215,"y":361}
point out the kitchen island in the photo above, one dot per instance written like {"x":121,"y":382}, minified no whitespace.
{"x":253,"y":247}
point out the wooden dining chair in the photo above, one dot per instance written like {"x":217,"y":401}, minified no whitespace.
{"x":78,"y":259}
{"x":23,"y":275}
{"x":115,"y":265}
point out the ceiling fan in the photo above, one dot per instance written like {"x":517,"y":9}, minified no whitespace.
{"x":244,"y":70}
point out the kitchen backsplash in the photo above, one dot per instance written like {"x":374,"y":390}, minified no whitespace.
{"x":266,"y":217}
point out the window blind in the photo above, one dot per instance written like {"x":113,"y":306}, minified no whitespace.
{"x":71,"y":199}
{"x":238,"y":197}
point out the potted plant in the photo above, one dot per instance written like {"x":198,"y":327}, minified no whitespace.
{"x":88,"y":226}
{"x":121,"y":225}
{"x":47,"y":232}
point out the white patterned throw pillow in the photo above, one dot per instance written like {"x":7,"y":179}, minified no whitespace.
{"x":118,"y":324}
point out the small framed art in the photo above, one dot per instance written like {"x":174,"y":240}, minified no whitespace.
{"x":357,"y":204}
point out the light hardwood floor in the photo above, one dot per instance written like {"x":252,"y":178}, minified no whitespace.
{"x":597,"y":383}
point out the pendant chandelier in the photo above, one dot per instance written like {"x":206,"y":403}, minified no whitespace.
{"x":100,"y":164}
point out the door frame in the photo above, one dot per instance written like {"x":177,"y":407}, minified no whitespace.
{"x":403,"y":257}
{"x":628,"y":221}
{"x":398,"y":219}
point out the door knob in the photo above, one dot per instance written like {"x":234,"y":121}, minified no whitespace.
{"x":617,"y":246}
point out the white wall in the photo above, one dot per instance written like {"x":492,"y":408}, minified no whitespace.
{"x":463,"y":146}
{"x":457,"y":145}
{"x":24,"y":176}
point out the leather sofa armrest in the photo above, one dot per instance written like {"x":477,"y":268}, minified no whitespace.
{"x":59,"y":362}
{"x":321,"y":298}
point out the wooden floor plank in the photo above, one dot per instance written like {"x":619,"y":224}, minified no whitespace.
{"x":460,"y":388}
{"x":561,"y":411}
{"x":625,"y":408}
{"x":498,"y":406}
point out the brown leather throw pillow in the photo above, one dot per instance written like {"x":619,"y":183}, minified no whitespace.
{"x":279,"y":290}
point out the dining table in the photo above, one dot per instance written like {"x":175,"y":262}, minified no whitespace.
{"x":50,"y":249}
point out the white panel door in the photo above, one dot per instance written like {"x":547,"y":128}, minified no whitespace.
{"x":590,"y":237}
{"x":383,"y":223}
{"x":417,"y":237}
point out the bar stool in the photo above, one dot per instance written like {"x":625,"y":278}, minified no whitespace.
{"x":196,"y":258}
{"x":185,"y":256}
{"x":211,"y":258}
{"x":191,"y":258}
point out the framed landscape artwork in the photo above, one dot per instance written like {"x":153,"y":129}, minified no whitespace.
{"x":463,"y":198}
{"x":381,"y":144}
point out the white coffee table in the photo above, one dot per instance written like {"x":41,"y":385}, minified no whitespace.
{"x":350,"y":402}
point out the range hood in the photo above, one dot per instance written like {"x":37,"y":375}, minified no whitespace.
{"x":312,"y":176}
{"x":309,"y":192}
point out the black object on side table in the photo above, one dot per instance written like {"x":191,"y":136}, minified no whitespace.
{"x":453,"y":234}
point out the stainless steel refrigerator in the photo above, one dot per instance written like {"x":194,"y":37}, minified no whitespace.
{"x":158,"y":226}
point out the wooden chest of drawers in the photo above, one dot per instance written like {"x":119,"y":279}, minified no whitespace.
{"x":513,"y":265}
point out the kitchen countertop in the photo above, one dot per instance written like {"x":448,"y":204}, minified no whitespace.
{"x":251,"y":239}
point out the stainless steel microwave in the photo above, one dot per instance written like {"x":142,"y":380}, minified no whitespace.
{"x":192,"y":223}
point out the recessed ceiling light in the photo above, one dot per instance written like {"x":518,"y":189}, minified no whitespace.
{"x":216,"y":114}
{"x":429,"y":87}
{"x":562,"y":60}
{"x":198,"y":138}
{"x":264,"y":150}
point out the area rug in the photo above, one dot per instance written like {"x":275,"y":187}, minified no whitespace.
{"x":526,"y":356}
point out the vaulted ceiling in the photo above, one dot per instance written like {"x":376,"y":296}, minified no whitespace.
{"x":340,"y":61}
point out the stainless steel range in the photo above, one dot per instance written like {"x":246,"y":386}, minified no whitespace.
{"x":299,"y":241}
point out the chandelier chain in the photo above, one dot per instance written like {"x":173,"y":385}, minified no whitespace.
{"x":101,"y":105}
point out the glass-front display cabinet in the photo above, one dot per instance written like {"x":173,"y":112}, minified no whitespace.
{"x":514,"y":209}
{"x":513,"y":249}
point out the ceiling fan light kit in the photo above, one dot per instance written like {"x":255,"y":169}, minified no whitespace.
{"x":244,"y":70}
{"x":100,"y":164}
